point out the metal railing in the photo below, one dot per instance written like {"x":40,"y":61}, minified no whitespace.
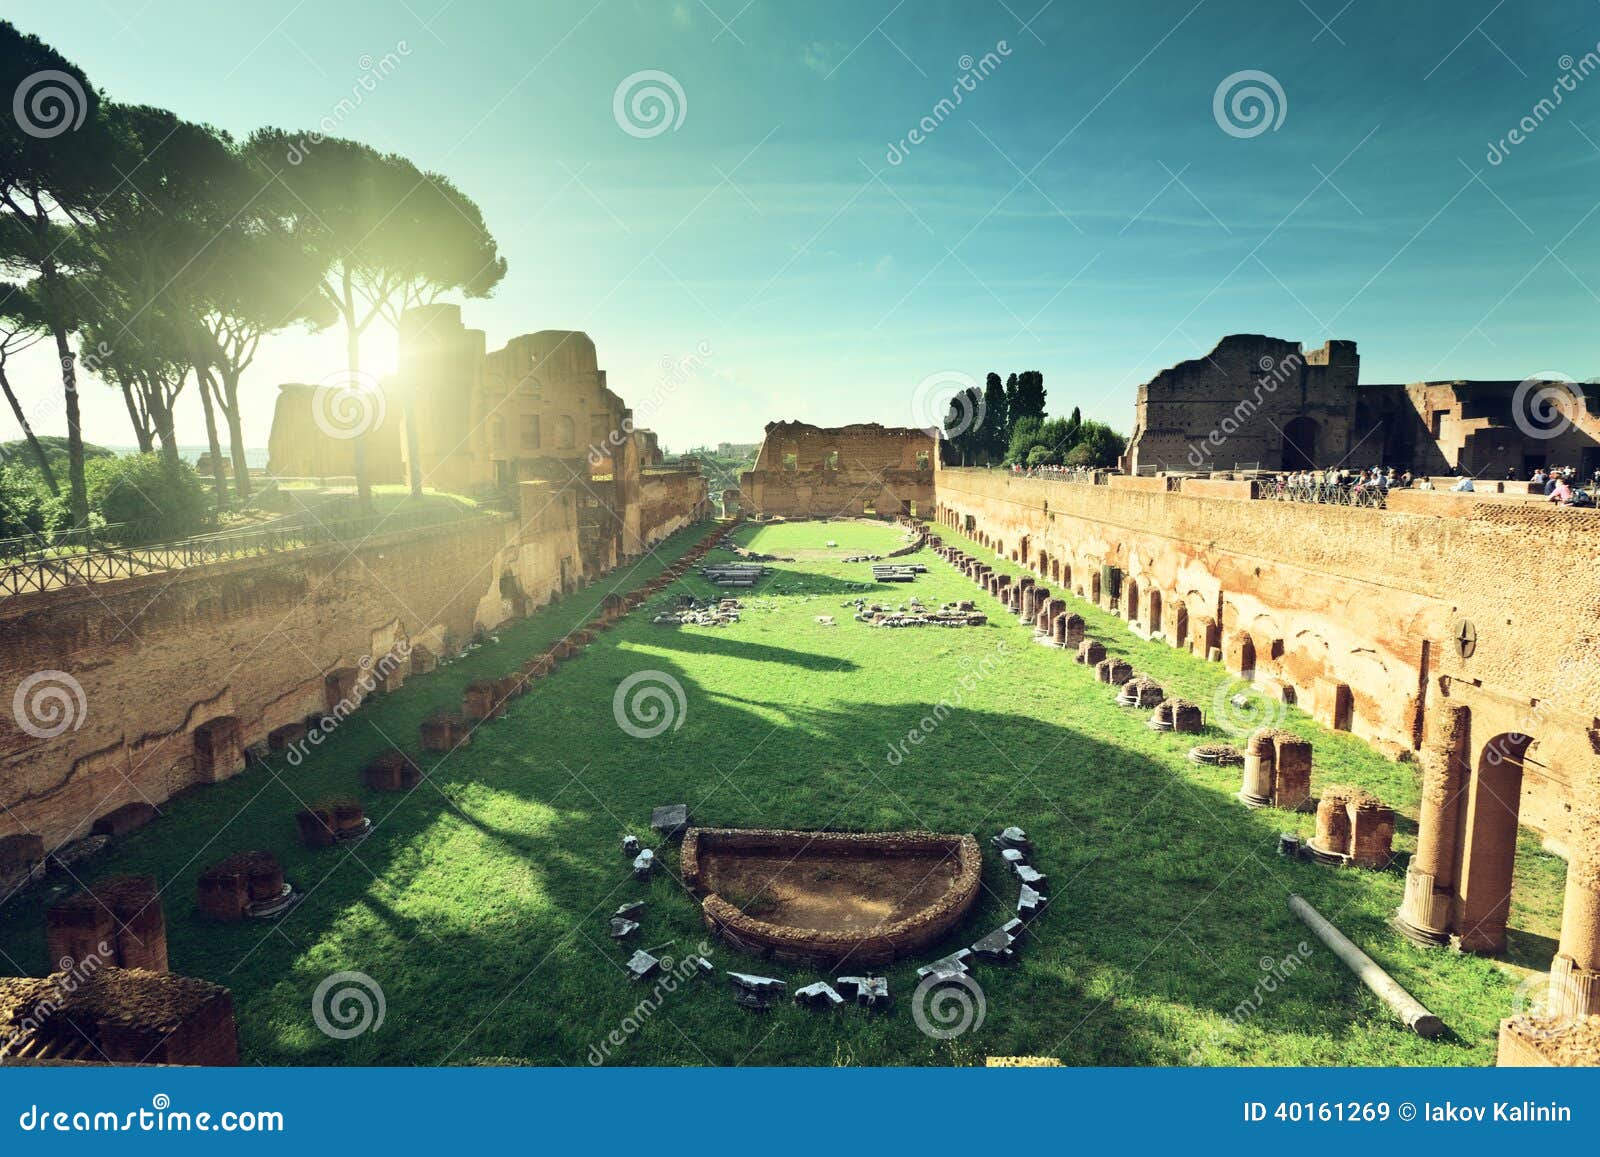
{"x":111,"y":562}
{"x":1326,"y":493}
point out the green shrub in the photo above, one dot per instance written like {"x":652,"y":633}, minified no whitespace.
{"x":147,"y":499}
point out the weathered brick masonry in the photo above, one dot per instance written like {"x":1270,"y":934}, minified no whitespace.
{"x":183,"y":671}
{"x":1473,"y":639}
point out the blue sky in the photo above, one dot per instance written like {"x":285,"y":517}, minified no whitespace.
{"x":1082,"y":212}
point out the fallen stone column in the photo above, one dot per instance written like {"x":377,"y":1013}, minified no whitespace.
{"x":1405,"y":1006}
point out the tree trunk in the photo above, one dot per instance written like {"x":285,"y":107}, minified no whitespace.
{"x":141,"y":424}
{"x":219,"y":476}
{"x":27,"y":432}
{"x":230,"y":411}
{"x":352,"y":348}
{"x":161,"y":415}
{"x":79,"y":503}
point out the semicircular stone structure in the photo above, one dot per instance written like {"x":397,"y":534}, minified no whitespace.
{"x":831,"y":898}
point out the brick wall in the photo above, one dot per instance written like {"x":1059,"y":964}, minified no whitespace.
{"x":1357,"y":608}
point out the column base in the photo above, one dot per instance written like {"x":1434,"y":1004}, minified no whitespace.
{"x":1574,"y":991}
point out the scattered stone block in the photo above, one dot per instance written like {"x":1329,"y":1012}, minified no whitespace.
{"x":1032,"y":877}
{"x":127,"y":818}
{"x":118,"y":922}
{"x":948,"y":966}
{"x":1013,"y":838}
{"x":671,"y":820}
{"x":391,"y":771}
{"x":819,"y":995}
{"x":630,"y":846}
{"x":444,"y":731}
{"x":999,"y":946}
{"x":755,"y":992}
{"x":1030,"y":902}
{"x":643,"y":864}
{"x":630,"y":911}
{"x":867,"y":991}
{"x":1140,"y":691}
{"x":481,"y":700}
{"x":130,"y":1016}
{"x":248,"y":884}
{"x":1013,"y":856}
{"x":1113,"y":671}
{"x":622,"y":929}
{"x":641,"y":966}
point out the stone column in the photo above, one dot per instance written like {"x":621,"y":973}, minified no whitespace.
{"x":1425,"y":914}
{"x":1575,"y":972}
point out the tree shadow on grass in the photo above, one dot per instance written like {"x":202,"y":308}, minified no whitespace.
{"x":481,"y":903}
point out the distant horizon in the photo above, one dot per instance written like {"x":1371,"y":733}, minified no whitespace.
{"x":847,"y":205}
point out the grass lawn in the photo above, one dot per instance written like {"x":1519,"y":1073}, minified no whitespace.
{"x":480,"y":905}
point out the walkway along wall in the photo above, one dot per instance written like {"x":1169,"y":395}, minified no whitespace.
{"x":1473,"y":638}
{"x":182,"y":672}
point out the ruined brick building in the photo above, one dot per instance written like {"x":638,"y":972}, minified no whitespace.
{"x":229,"y":655}
{"x":1264,"y":403}
{"x":808,"y":471}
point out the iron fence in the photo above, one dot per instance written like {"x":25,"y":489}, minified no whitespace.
{"x":108,"y":562}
